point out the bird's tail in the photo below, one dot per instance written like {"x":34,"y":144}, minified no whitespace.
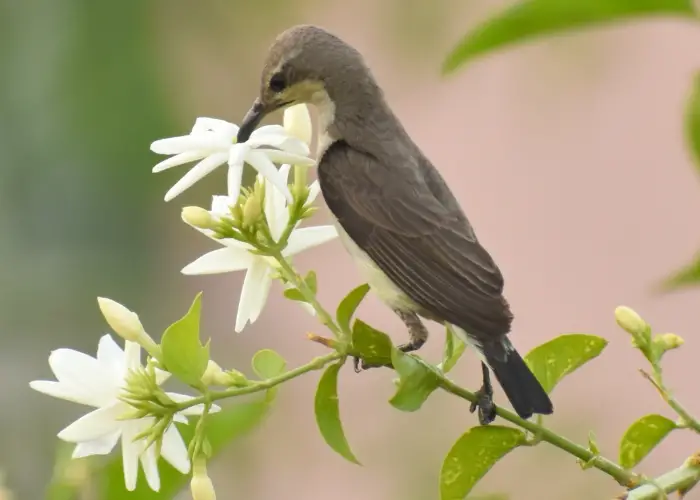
{"x":520,"y":385}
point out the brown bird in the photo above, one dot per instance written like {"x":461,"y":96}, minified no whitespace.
{"x":396,"y":215}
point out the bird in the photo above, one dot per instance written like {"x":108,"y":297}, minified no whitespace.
{"x":395,"y":214}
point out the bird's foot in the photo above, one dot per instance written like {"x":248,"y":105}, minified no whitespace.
{"x":484,"y":399}
{"x":361,"y":365}
{"x":487,"y":408}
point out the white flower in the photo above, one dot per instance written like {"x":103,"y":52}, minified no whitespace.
{"x":297,"y":122}
{"x":212,"y":143}
{"x":98,"y":382}
{"x":236,"y":256}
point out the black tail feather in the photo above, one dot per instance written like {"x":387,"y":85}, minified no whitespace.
{"x":520,"y":385}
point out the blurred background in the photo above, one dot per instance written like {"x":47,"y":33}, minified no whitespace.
{"x":567,"y":154}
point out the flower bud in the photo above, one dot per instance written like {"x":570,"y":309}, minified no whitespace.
{"x":199,"y":217}
{"x":214,"y":375}
{"x":201,"y":486}
{"x":631,"y":322}
{"x":668,"y":341}
{"x":236,"y":379}
{"x":297,"y":122}
{"x":252,"y":209}
{"x":124,"y":322}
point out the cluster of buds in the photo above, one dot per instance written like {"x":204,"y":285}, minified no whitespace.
{"x":652,"y":346}
{"x":214,"y":375}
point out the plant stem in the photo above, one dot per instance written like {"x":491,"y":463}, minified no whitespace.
{"x":657,"y":381}
{"x":680,"y":479}
{"x":622,"y":476}
{"x":292,"y":276}
{"x":263,"y":385}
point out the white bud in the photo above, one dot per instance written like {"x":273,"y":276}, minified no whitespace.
{"x":123,"y":322}
{"x":214,"y":375}
{"x":201,"y":486}
{"x":199,"y":217}
{"x":297,"y":122}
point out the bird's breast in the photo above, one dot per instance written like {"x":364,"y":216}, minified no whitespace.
{"x":381,"y":285}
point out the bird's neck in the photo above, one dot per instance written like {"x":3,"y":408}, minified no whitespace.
{"x":360,"y":117}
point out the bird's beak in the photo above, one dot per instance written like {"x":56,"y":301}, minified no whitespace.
{"x":251,"y":120}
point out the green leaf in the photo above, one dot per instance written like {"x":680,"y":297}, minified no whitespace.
{"x":454,"y":348}
{"x":348,"y":306}
{"x":553,"y":360}
{"x":327,"y":410}
{"x":473,"y":455}
{"x":642,"y":437}
{"x":371,"y":345}
{"x":687,"y":276}
{"x":294,"y":294}
{"x":310,"y":281}
{"x":183,"y":354}
{"x":527,"y":20}
{"x":416,"y":382}
{"x":692,"y":121}
{"x":221,"y":429}
{"x":267,"y":364}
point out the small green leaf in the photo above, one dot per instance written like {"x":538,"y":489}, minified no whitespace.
{"x":473,"y":455}
{"x":454,"y":348}
{"x":310,"y":281}
{"x":371,"y":345}
{"x":416,"y":382}
{"x":183,"y":353}
{"x":687,"y":276}
{"x":221,"y":429}
{"x":530,"y":19}
{"x":642,"y":437}
{"x":267,"y":364}
{"x":692,"y":121}
{"x":294,"y":294}
{"x":348,"y":306}
{"x":553,"y":360}
{"x":328,"y":413}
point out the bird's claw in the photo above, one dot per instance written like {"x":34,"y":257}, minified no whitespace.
{"x":487,"y":408}
{"x":361,"y":365}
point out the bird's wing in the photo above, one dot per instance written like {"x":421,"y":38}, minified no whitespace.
{"x":410,"y":225}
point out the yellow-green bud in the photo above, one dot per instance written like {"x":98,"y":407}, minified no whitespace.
{"x":236,"y":379}
{"x":214,"y":375}
{"x":297,"y":122}
{"x":252,"y":209}
{"x":668,"y":341}
{"x":201,"y":485}
{"x":630,"y":321}
{"x":199,"y":217}
{"x":124,"y":322}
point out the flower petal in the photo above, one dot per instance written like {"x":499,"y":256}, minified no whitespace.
{"x":222,"y":260}
{"x":201,"y":169}
{"x":222,"y":127}
{"x":131,"y":451}
{"x":280,"y":140}
{"x":263,"y":290}
{"x":100,"y":446}
{"x":262,"y":164}
{"x":149,"y":462}
{"x":276,"y":211}
{"x":314,"y":190}
{"x":96,"y":424}
{"x":234,"y":179}
{"x":177,"y":145}
{"x":112,"y":358}
{"x":132,"y":356}
{"x":221,"y":205}
{"x":251,"y":293}
{"x":279,"y":156}
{"x":181,"y":159}
{"x":309,"y":237}
{"x":297,"y":122}
{"x":174,"y":450}
{"x":82,"y":373}
{"x":63,"y":391}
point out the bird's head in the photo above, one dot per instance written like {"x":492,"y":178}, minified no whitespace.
{"x":305,"y":64}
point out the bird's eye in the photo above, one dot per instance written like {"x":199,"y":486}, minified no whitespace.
{"x":277,"y":82}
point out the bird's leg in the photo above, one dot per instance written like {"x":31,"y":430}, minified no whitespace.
{"x":484,"y":402}
{"x":417,"y":336}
